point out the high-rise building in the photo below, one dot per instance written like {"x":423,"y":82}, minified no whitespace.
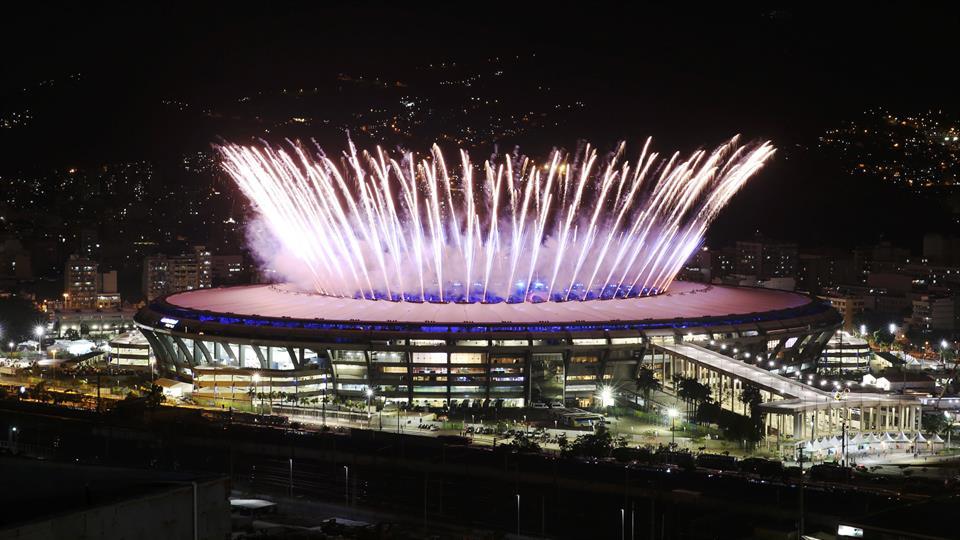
{"x":108,"y":295}
{"x":228,"y":269}
{"x":164,"y":274}
{"x":89,"y":242}
{"x":155,"y":276}
{"x":80,"y":283}
{"x":698,"y":267}
{"x":14,"y":260}
{"x":766,"y":259}
{"x":940,"y":249}
{"x":933,"y":313}
{"x":822,"y":269}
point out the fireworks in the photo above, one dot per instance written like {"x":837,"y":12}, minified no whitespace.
{"x":407,"y":228}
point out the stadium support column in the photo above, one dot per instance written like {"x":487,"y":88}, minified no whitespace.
{"x":233,"y":357}
{"x":366,"y":360}
{"x":408,"y":363}
{"x":488,"y":361}
{"x":260,"y":357}
{"x":297,"y":360}
{"x":449,"y":375}
{"x":527,"y":376}
{"x":199,"y":345}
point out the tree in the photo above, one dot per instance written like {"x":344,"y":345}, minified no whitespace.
{"x":562,"y":442}
{"x":20,"y":317}
{"x":647,"y":382}
{"x":693,"y":391}
{"x":155,"y":396}
{"x":751,"y":396}
{"x":935,"y":423}
{"x":40,"y":392}
{"x":522,"y":443}
{"x":599,"y":444}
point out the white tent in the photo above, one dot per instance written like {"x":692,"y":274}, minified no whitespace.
{"x":936,"y":439}
{"x":920,"y":438}
{"x":902,"y":438}
{"x":834,"y":442}
{"x":886,"y":438}
{"x":856,"y":440}
{"x":808,"y":447}
{"x":874,"y":439}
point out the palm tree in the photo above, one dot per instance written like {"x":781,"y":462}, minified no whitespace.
{"x":647,"y":382}
{"x":751,"y":396}
{"x":692,"y":390}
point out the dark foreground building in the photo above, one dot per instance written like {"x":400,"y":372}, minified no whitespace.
{"x":48,"y":500}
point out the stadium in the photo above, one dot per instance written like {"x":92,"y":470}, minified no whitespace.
{"x":276,"y":338}
{"x":514,"y":283}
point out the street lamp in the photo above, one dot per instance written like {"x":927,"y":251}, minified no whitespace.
{"x":892,"y":328}
{"x":369,"y":393}
{"x":606,"y":396}
{"x":256,"y":387}
{"x":672,"y":413}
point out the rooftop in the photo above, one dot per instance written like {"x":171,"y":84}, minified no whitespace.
{"x":683,"y":301}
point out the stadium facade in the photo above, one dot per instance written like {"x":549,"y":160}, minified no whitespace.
{"x":231,"y":342}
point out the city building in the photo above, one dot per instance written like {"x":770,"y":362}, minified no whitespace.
{"x":164,"y":274}
{"x":901,"y":380}
{"x":845,"y":352}
{"x":155,"y":281}
{"x":699,"y":267}
{"x":130,"y":350}
{"x":766,"y":259}
{"x":53,"y":499}
{"x":723,"y":262}
{"x":228,"y":270}
{"x":80,"y":283}
{"x":849,"y":306}
{"x":822,"y":269}
{"x":933,"y":313}
{"x":941,"y":249}
{"x":108,"y":294}
{"x":14,"y":260}
{"x":274,"y":336}
{"x":92,"y":323}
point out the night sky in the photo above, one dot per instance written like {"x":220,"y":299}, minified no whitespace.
{"x":689,"y":77}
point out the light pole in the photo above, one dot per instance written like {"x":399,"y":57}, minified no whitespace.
{"x":38,"y":331}
{"x":518,"y":514}
{"x":672,"y":413}
{"x":256,"y":389}
{"x":943,"y":346}
{"x":369,"y":393}
{"x":623,"y":529}
{"x":346,"y":485}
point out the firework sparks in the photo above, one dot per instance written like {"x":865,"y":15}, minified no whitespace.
{"x":409,"y":229}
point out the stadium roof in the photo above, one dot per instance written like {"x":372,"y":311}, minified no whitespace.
{"x":684,"y":301}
